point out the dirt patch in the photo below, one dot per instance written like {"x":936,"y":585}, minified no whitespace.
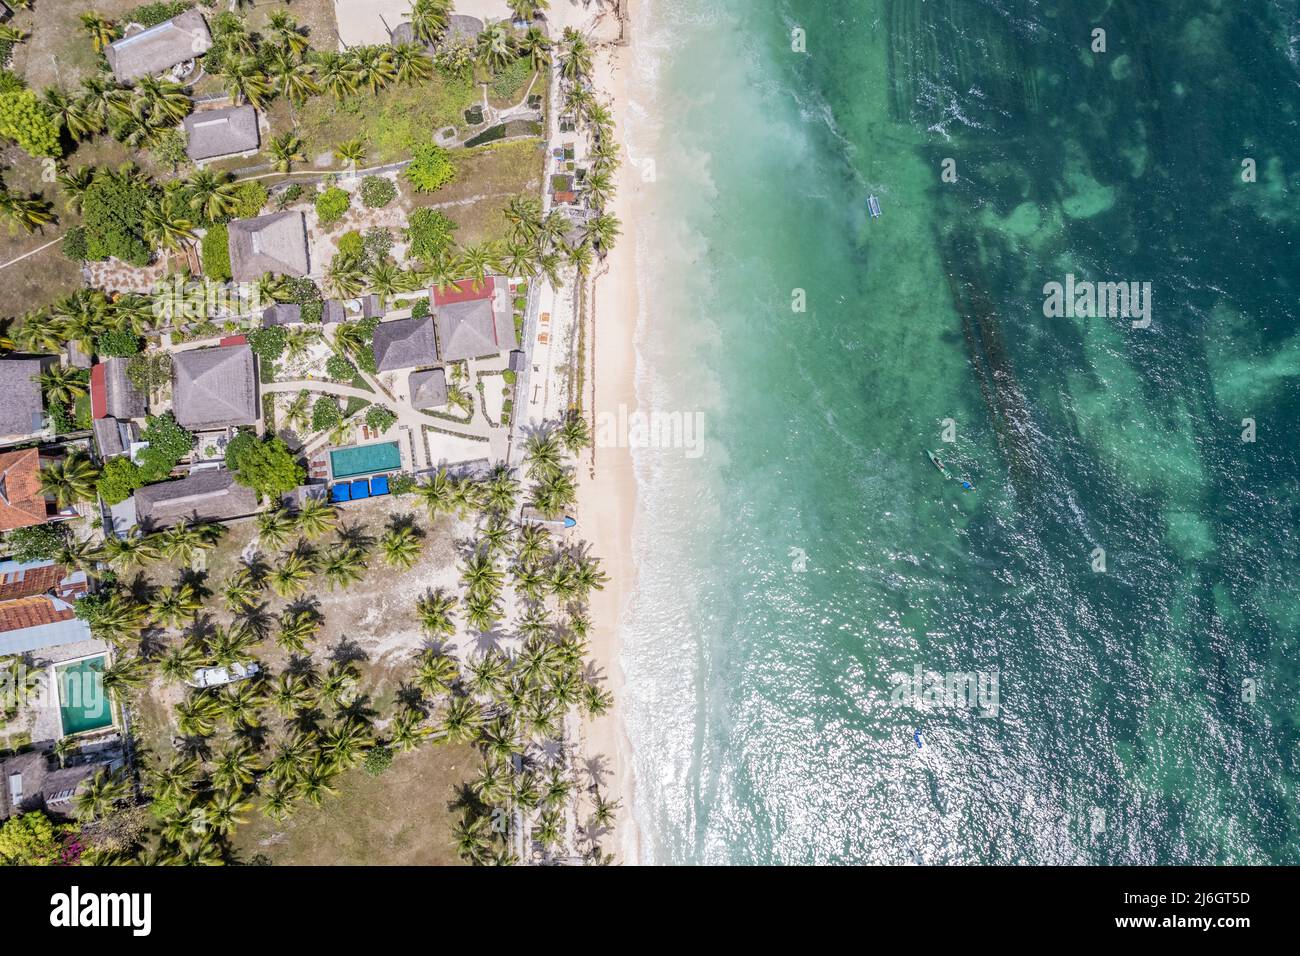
{"x":487,"y":178}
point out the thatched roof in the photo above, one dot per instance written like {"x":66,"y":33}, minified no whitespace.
{"x":429,"y":388}
{"x":22,"y":408}
{"x":273,"y":243}
{"x":283,"y":313}
{"x":209,"y":495}
{"x":333,"y":311}
{"x":404,"y":343}
{"x":114,"y":437}
{"x":459,"y":27}
{"x":122,"y":398}
{"x":159,"y":48}
{"x":213,"y":133}
{"x":215,"y":388}
{"x":467,"y":330}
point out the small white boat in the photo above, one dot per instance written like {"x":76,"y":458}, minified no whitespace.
{"x":873,"y":207}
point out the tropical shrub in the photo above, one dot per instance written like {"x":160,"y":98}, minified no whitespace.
{"x":325,"y":414}
{"x":380,"y":418}
{"x":351,"y":245}
{"x":429,"y":234}
{"x":32,"y":839}
{"x":431,"y":168}
{"x":268,"y":467}
{"x":377,"y":244}
{"x":119,"y":479}
{"x":331,"y":205}
{"x":216,"y":253}
{"x":74,"y":244}
{"x":378,"y":759}
{"x":340,"y":369}
{"x":377,"y":191}
{"x":38,"y":543}
{"x":269,"y":343}
{"x":420,"y":309}
{"x":117,"y":343}
{"x":250,"y":197}
{"x":152,"y":14}
{"x":112,"y":211}
{"x":288,"y":196}
{"x":26,"y":120}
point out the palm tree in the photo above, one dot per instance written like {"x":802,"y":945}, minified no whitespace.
{"x":295,"y":79}
{"x":554,"y":493}
{"x":101,"y":794}
{"x":31,"y":212}
{"x":164,"y":226}
{"x":461,"y":720}
{"x":286,"y":149}
{"x":296,"y":629}
{"x":235,"y":768}
{"x":534,"y":45}
{"x":343,"y":567}
{"x":135,"y":550}
{"x":63,"y":384}
{"x":482,"y":611}
{"x":527,"y":10}
{"x":181,"y":661}
{"x":436,"y":493}
{"x":477,"y":261}
{"x":481,"y":575}
{"x":543,"y":454}
{"x":284,"y":28}
{"x":74,"y":184}
{"x":275,"y":527}
{"x":70,"y":479}
{"x":472,"y":838}
{"x":429,"y":19}
{"x":227,"y":810}
{"x":400,"y":547}
{"x":316,"y":517}
{"x":211,"y":195}
{"x":495,"y":46}
{"x":375,"y":66}
{"x":161,"y":100}
{"x":73,"y":113}
{"x":405,"y":732}
{"x":436,"y":674}
{"x":290,"y":578}
{"x":198,"y":715}
{"x":175,"y":605}
{"x":345,"y":279}
{"x":574,"y":432}
{"x":351,"y":153}
{"x":101,"y":31}
{"x":575,"y":55}
{"x":435,"y":612}
{"x":602,"y":230}
{"x":596,"y":701}
{"x":245,"y":81}
{"x":125,"y":675}
{"x":240,"y":591}
{"x":337,"y":74}
{"x":411,"y":63}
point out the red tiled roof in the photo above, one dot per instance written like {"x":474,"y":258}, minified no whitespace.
{"x":23,"y":502}
{"x":463,"y":291}
{"x":234,"y":340}
{"x":31,"y":612}
{"x":98,"y":392}
{"x":565,"y":197}
{"x":33,"y":581}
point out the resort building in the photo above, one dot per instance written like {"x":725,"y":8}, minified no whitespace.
{"x":282,"y":313}
{"x":473,"y":323}
{"x":23,"y":503}
{"x":114,"y":403}
{"x":152,"y":51}
{"x":216,"y":134}
{"x":36,"y":607}
{"x":404,"y":343}
{"x":275,"y":243}
{"x":429,"y":388}
{"x":215,"y":388}
{"x":208,"y":495}
{"x":22,"y":407}
{"x":332,"y":312}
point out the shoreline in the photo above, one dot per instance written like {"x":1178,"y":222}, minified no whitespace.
{"x":607,"y":478}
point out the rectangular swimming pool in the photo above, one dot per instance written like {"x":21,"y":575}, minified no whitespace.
{"x":365,"y":459}
{"x":83,"y":705}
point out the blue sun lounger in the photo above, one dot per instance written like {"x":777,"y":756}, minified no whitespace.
{"x":378,"y":485}
{"x":360,"y":489}
{"x":341,"y":492}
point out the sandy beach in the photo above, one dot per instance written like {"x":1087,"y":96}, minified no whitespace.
{"x":608,"y":497}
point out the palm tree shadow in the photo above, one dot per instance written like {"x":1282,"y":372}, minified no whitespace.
{"x":596,"y":767}
{"x":347,"y":652}
{"x":485,"y":642}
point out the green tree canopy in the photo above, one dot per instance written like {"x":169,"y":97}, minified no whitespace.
{"x":268,"y":467}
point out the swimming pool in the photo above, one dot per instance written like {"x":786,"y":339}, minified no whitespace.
{"x":365,"y":459}
{"x":83,"y":705}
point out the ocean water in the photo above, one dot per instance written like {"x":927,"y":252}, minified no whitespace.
{"x":1124,"y":574}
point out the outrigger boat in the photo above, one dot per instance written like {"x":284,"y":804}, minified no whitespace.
{"x":873,"y":207}
{"x":943,"y":470}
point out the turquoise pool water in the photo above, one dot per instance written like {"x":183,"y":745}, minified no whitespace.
{"x":365,"y":459}
{"x":83,"y":705}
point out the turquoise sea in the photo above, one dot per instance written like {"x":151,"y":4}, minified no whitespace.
{"x":1126,"y":569}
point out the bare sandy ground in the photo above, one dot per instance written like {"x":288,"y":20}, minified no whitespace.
{"x":608,"y":493}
